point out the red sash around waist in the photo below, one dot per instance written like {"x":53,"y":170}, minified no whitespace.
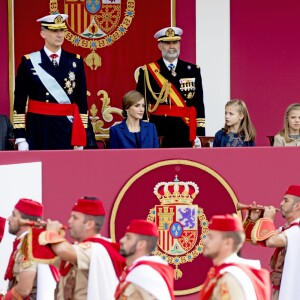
{"x":188,"y":114}
{"x":53,"y":109}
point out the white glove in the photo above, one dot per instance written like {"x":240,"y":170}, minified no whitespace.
{"x":197,"y":143}
{"x":23,"y":146}
{"x":78,"y":147}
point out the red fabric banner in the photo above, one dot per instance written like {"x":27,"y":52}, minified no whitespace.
{"x":114,"y":37}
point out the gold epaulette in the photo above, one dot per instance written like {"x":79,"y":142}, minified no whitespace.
{"x":200,"y":122}
{"x":78,"y":56}
{"x":39,"y":248}
{"x":50,"y":237}
{"x":19,"y":120}
{"x":84,"y":119}
{"x":27,"y":56}
{"x":263,"y":229}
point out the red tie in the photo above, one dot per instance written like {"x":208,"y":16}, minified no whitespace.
{"x":9,"y":271}
{"x":54,"y":61}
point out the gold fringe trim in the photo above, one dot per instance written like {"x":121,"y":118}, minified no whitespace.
{"x":163,"y":95}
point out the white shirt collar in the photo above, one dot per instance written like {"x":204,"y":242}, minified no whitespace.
{"x":174,"y":62}
{"x":48,"y":52}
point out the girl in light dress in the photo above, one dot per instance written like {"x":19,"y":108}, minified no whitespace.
{"x":290,"y":134}
{"x":238,"y":130}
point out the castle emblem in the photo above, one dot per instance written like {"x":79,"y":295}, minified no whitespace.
{"x":182,"y":225}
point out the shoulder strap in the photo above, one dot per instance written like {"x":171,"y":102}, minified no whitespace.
{"x":113,"y":251}
{"x":166,"y":271}
{"x":259,"y":277}
{"x":48,"y":81}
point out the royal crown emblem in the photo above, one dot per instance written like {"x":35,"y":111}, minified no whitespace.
{"x":182,"y":225}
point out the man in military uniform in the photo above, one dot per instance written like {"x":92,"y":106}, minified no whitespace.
{"x":54,"y":83}
{"x":173,"y":91}
{"x":260,"y":229}
{"x":21,"y":272}
{"x":89,"y":269}
{"x":145,"y":277}
{"x":231,"y":277}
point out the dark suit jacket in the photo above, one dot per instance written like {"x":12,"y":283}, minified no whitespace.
{"x":45,"y":132}
{"x":121,"y":138}
{"x":174,"y":130}
{"x":6,"y":133}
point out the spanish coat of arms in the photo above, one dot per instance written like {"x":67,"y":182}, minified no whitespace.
{"x":182,"y":225}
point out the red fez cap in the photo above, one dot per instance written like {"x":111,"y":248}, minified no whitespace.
{"x":89,"y":207}
{"x":226,"y":223}
{"x":30,"y":207}
{"x":293,"y":190}
{"x":142,"y":227}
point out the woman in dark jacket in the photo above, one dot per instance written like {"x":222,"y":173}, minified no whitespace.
{"x":133,"y":132}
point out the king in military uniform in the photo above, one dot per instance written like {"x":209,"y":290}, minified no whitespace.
{"x":53,"y":81}
{"x":173,"y":91}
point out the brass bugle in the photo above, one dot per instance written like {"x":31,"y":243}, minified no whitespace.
{"x":43,"y":224}
{"x":241,"y":206}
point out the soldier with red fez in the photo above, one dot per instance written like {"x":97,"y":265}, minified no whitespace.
{"x":173,"y":91}
{"x":145,"y":277}
{"x":2,"y":227}
{"x":91,"y":267}
{"x":260,"y":229}
{"x":22,"y":272}
{"x":231,"y":277}
{"x":50,"y":104}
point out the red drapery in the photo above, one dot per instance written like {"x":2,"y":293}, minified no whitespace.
{"x":113,"y":38}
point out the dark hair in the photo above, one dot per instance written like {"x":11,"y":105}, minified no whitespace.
{"x":28,"y":217}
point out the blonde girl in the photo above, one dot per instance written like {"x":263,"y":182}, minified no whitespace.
{"x":238,"y":130}
{"x":290,"y":134}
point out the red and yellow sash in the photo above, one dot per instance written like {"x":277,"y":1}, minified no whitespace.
{"x":178,"y":107}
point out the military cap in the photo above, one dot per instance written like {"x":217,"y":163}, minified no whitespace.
{"x":89,"y":207}
{"x":142,"y":227}
{"x":226,"y":223}
{"x":30,"y":207}
{"x":293,"y":190}
{"x":169,"y":34}
{"x":54,"y":21}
